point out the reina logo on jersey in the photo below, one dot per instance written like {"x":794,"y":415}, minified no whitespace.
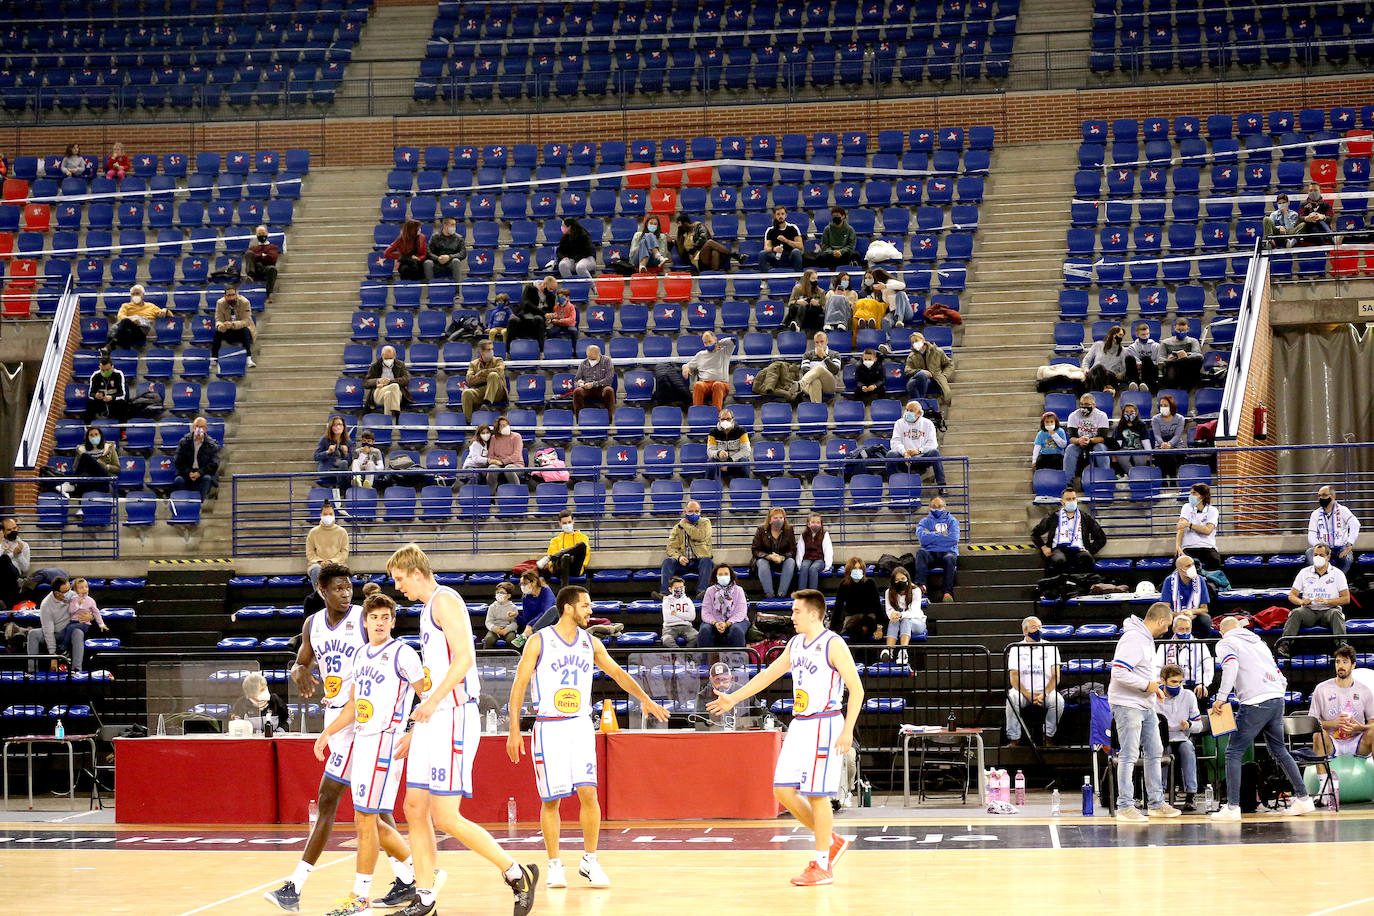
{"x":568,"y":700}
{"x":364,"y":711}
{"x":800,"y":699}
{"x":426,"y":684}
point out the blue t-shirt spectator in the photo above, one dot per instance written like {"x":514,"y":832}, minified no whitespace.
{"x":938,"y":532}
{"x":533,"y":608}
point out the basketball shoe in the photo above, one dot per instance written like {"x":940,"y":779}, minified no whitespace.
{"x":593,"y":872}
{"x":352,"y":905}
{"x":286,"y":897}
{"x":401,"y":892}
{"x":814,"y":875}
{"x":556,"y":876}
{"x":524,"y":887}
{"x":838,"y":847}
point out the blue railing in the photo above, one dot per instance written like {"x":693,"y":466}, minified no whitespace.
{"x":59,"y":529}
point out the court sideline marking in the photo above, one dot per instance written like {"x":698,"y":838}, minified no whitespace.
{"x":1341,"y":906}
{"x":260,"y":887}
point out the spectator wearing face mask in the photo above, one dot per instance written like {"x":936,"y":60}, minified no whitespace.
{"x":938,"y":535}
{"x":1314,"y":219}
{"x":724,"y":612}
{"x":1088,"y":429}
{"x":1334,"y":525}
{"x":804,"y":306}
{"x":1033,"y":670}
{"x":1282,"y":223}
{"x":576,"y":254}
{"x":689,"y":550}
{"x":711,"y":365}
{"x":1130,"y":435}
{"x":563,"y":319}
{"x":595,"y":382}
{"x":476,"y":457}
{"x":15,"y":559}
{"x":905,"y":616}
{"x":815,"y":553}
{"x":820,"y":367}
{"x":260,"y":260}
{"x":409,"y":251}
{"x":1068,"y":539}
{"x":530,"y":318}
{"x":1050,"y":442}
{"x":98,"y":459}
{"x":679,"y":616}
{"x":233,"y":324}
{"x":927,"y":370}
{"x":649,"y":247}
{"x":486,"y":380}
{"x":261,"y":708}
{"x":1142,"y":360}
{"x":774,"y":552}
{"x":537,"y":607}
{"x":107,"y":394}
{"x":386,"y":382}
{"x":869,"y":377}
{"x":839,"y":303}
{"x":1197,"y":528}
{"x":502,"y":616}
{"x":914,"y":443}
{"x":497,"y":318}
{"x":1179,"y":709}
{"x":838,"y":241}
{"x":882,"y":285}
{"x":569,"y":551}
{"x":197,"y":460}
{"x":1192,"y":655}
{"x":52,"y":635}
{"x":134,"y":320}
{"x":858,"y":608}
{"x":782,"y":243}
{"x":698,"y":246}
{"x":447,"y":250}
{"x":333,"y":453}
{"x":1104,"y":364}
{"x":728,"y":447}
{"x":1319,"y":595}
{"x":327,"y":542}
{"x":506,"y":450}
{"x":1167,"y":428}
{"x":1185,"y":591}
{"x":368,"y":461}
{"x":1181,"y":356}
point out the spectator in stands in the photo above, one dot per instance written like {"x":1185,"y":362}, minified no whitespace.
{"x":905,"y":616}
{"x":1104,"y":364}
{"x":107,"y":396}
{"x":679,"y":615}
{"x":1334,"y":525}
{"x":197,"y":460}
{"x":727,"y":445}
{"x":562,"y":321}
{"x":1319,"y":592}
{"x":569,"y":550}
{"x":576,"y":254}
{"x":502,"y":616}
{"x":327,"y":542}
{"x":530,"y":318}
{"x":838,"y":242}
{"x":1033,"y":670}
{"x":689,"y":550}
{"x":260,"y":260}
{"x":477,"y":452}
{"x":1088,"y":429}
{"x":649,"y":247}
{"x":1314,"y":219}
{"x":1134,"y":693}
{"x":724,"y":612}
{"x":698,"y":246}
{"x":774,"y":551}
{"x":1283,"y":221}
{"x":1181,"y":356}
{"x":711,"y":364}
{"x":882,"y":285}
{"x":1343,"y":707}
{"x":869,"y":313}
{"x":804,"y":308}
{"x":233,"y":324}
{"x":333,"y":455}
{"x":839,"y":303}
{"x":52,"y":634}
{"x":486,"y":380}
{"x":96,"y":458}
{"x":409,"y":251}
{"x":938,"y":536}
{"x":537,"y":606}
{"x":1050,"y":442}
{"x":1249,"y":669}
{"x":913,"y":441}
{"x":447,"y":249}
{"x":869,"y":377}
{"x":782,"y":243}
{"x":595,"y":382}
{"x":1179,"y":710}
{"x":1197,"y":528}
{"x":14,"y":561}
{"x":367,"y":461}
{"x":497,"y":318}
{"x":927,"y":366}
{"x":820,"y":368}
{"x":265,"y":711}
{"x":1142,"y":360}
{"x":1194,"y":657}
{"x":815,"y":553}
{"x":1130,"y":435}
{"x":1185,"y":590}
{"x":134,"y":320}
{"x":858,"y":607}
{"x":506,"y":451}
{"x":82,"y":609}
{"x":74,"y":165}
{"x":1068,"y":539}
{"x":386,"y":382}
{"x":117,"y":164}
{"x":1168,"y":428}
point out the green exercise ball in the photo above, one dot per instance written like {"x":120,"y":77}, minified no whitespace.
{"x":1356,"y":775}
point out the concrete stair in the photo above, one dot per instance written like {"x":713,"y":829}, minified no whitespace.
{"x":1051,"y":43}
{"x":380,"y":79}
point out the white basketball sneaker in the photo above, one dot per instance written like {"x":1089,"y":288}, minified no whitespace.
{"x":556,"y":876}
{"x":592,"y":871}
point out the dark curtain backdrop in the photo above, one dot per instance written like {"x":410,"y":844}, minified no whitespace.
{"x":1324,"y":383}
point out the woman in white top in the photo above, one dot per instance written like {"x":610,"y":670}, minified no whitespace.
{"x":905,"y":617}
{"x":477,"y":451}
{"x":1197,"y":528}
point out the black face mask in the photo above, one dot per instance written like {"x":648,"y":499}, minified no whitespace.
{"x":837,"y":220}
{"x":1325,"y":502}
{"x":12,"y":535}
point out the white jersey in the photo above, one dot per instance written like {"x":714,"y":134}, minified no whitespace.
{"x":435,"y":653}
{"x":563,"y":675}
{"x":382,"y":679}
{"x":335,"y":648}
{"x":816,"y":686}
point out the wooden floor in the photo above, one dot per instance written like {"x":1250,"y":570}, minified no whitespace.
{"x":1097,"y":869}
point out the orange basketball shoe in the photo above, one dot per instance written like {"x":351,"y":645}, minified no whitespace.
{"x":813,"y":876}
{"x":838,"y":847}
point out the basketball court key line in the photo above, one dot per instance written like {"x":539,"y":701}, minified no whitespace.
{"x":260,"y":887}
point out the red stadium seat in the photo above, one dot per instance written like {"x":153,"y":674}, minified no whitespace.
{"x":16,"y":191}
{"x":677,"y":288}
{"x":638,"y":178}
{"x":1324,"y":172}
{"x":700,"y":176}
{"x":663,"y":201}
{"x":644,"y":288}
{"x":1345,"y":261}
{"x":668,"y":178}
{"x":610,"y":289}
{"x":16,"y":303}
{"x":1359,"y":143}
{"x":37,"y":217}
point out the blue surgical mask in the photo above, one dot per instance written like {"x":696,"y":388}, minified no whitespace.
{"x":95,"y":441}
{"x":856,"y":574}
{"x":909,"y":416}
{"x":567,"y":527}
{"x":1071,"y":506}
{"x":1172,"y":691}
{"x":708,"y":347}
{"x":1183,"y":636}
{"x":1192,"y":500}
{"x":692,"y":517}
{"x":722,"y":581}
{"x":1033,"y":636}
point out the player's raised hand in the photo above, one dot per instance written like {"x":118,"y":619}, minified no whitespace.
{"x":844,"y":742}
{"x":425,"y":711}
{"x":321,"y":746}
{"x":515,"y":746}
{"x":402,"y":747}
{"x":723,"y":702}
{"x":658,"y":712}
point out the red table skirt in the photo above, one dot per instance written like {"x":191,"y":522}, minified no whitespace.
{"x":202,"y":779}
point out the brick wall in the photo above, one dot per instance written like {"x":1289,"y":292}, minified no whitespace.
{"x":1254,"y":504}
{"x":1018,"y":117}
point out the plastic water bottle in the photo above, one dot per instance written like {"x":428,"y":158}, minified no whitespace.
{"x":491,"y":721}
{"x":1208,"y":799}
{"x":1056,"y":806}
{"x":1335,"y":785}
{"x":314,"y":813}
{"x":162,"y":725}
{"x":1087,"y":797}
{"x":60,"y":732}
{"x":510,"y":812}
{"x":1020,"y":788}
{"x":1003,"y":786}
{"x":770,"y":724}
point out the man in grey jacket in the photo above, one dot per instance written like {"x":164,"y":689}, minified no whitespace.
{"x":820,"y":368}
{"x":1134,"y":692}
{"x":595,"y":382}
{"x":52,"y":633}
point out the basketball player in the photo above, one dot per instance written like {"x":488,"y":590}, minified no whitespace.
{"x":330,"y":639}
{"x":444,"y":740}
{"x":808,"y":770}
{"x":385,"y":673}
{"x":560,"y":660}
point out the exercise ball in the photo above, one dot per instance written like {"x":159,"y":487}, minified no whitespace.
{"x":1356,"y":775}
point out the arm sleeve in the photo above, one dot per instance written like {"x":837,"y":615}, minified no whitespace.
{"x":1313,"y":531}
{"x":828,"y":551}
{"x":1126,"y":669}
{"x":1230,"y":667}
{"x":1209,"y":665}
{"x":1194,"y":718}
{"x":739,"y":609}
{"x":1353,"y":528}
